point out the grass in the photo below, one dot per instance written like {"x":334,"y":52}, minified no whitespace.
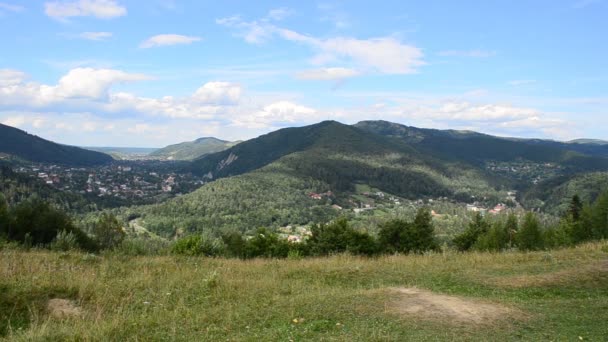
{"x":341,"y":298}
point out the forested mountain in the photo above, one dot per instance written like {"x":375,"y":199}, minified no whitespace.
{"x":477,"y":148}
{"x":20,"y":144}
{"x":277,"y":171}
{"x":192,"y":149}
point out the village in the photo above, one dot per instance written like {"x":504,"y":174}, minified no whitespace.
{"x":133,"y":181}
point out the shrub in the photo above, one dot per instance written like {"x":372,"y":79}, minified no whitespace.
{"x":64,"y":241}
{"x":195,"y":245}
{"x":339,"y":237}
{"x":141,"y":246}
{"x":108,"y":231}
{"x":266,"y":244}
{"x":467,"y":239}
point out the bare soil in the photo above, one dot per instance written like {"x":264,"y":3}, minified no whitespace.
{"x":424,"y":304}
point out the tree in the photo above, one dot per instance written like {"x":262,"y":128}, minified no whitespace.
{"x":423,"y":232}
{"x":108,"y":231}
{"x":4,"y":217}
{"x":511,"y":227}
{"x":266,"y":244}
{"x":495,"y":239}
{"x":400,"y":236}
{"x":599,"y":217}
{"x":467,"y":239}
{"x":575,"y":208}
{"x":529,"y":236}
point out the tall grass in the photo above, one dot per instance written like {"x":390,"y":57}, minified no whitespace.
{"x":342,"y":297}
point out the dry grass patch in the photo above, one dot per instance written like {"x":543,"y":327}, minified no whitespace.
{"x":588,"y":275}
{"x":424,"y":304}
{"x":63,"y":308}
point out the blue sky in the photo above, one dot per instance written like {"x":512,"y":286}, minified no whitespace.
{"x":135,"y":73}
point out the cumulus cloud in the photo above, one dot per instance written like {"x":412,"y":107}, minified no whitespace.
{"x":168,"y":39}
{"x":103,"y":9}
{"x":93,"y":83}
{"x":9,"y":77}
{"x":327,"y":74}
{"x":279,"y":13}
{"x":382,"y":54}
{"x":218,"y":93}
{"x":277,"y":113}
{"x":97,"y":36}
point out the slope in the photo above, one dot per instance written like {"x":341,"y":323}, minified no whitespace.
{"x":191,"y":150}
{"x":20,"y":144}
{"x":267,"y":180}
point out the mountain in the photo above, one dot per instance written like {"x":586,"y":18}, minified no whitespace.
{"x":588,"y":142}
{"x":192,"y":149}
{"x":267,"y":181}
{"x":478,"y":148}
{"x":18,"y":143}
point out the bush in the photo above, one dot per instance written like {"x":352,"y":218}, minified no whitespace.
{"x":266,"y":244}
{"x":141,"y":246}
{"x":195,"y":245}
{"x":108,"y":231}
{"x":400,"y":236}
{"x":339,"y":237}
{"x":64,"y":241}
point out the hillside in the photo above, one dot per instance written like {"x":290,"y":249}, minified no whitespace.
{"x":192,"y":149}
{"x":477,"y":148}
{"x":20,"y":144}
{"x":267,"y":181}
{"x":514,"y":296}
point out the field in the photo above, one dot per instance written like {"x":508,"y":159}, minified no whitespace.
{"x":542,"y":296}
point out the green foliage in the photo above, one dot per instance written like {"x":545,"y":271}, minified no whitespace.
{"x":467,"y":239}
{"x":64,"y":241}
{"x":340,"y":237}
{"x":402,"y":236}
{"x":235,"y":244}
{"x":195,"y":245}
{"x":142,"y":246}
{"x":266,"y":244}
{"x":529,"y":237}
{"x":35,"y":222}
{"x":495,"y":239}
{"x":108,"y":231}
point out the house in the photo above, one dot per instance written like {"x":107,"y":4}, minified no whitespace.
{"x":315,"y":196}
{"x":337,"y":207}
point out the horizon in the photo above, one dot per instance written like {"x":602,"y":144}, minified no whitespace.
{"x":116,"y":73}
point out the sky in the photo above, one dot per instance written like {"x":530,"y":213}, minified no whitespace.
{"x":152,"y":73}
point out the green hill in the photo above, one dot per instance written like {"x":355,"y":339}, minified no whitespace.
{"x":20,"y":144}
{"x":266,"y":181}
{"x":192,"y":149}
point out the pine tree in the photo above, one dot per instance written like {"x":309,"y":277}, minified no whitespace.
{"x":529,"y":236}
{"x":467,"y":239}
{"x":511,"y":227}
{"x":575,"y":208}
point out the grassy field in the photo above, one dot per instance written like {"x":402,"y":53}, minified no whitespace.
{"x":545,"y":296}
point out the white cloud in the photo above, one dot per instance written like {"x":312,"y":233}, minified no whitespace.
{"x":468,"y":53}
{"x":218,"y":93}
{"x":10,"y":7}
{"x":9,"y":77}
{"x":277,"y":113}
{"x":167,"y":39}
{"x":103,"y":9}
{"x":14,"y":121}
{"x":327,"y":74}
{"x":93,"y":83}
{"x":95,"y":35}
{"x":382,"y":54}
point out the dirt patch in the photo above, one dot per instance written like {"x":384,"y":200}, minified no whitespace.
{"x":63,"y":308}
{"x":588,"y":275}
{"x":428,"y":305}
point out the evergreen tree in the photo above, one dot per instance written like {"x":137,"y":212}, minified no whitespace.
{"x":422,"y":232}
{"x":511,"y":227}
{"x":529,"y":236}
{"x":575,"y":208}
{"x":4,"y":217}
{"x":600,"y":217}
{"x":468,"y":238}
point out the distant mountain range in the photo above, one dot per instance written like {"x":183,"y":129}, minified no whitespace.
{"x":192,"y":149}
{"x":17,"y":143}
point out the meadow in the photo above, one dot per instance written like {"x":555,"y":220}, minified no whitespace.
{"x":559,"y":295}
